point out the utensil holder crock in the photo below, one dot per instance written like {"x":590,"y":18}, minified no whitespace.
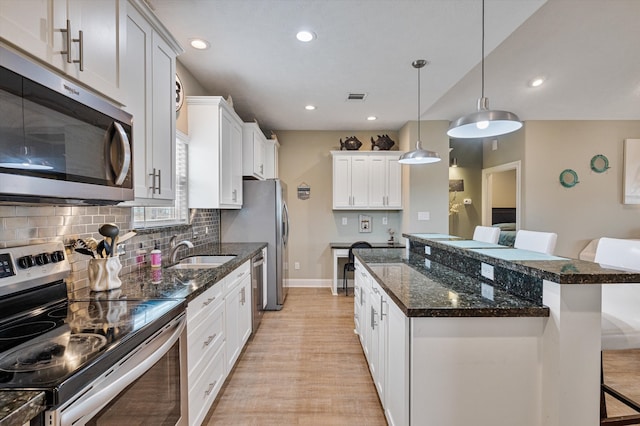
{"x":103,"y":273}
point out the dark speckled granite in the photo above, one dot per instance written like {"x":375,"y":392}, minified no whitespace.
{"x":438,"y":291}
{"x":565,"y":271}
{"x":180,"y":283}
{"x":18,"y":407}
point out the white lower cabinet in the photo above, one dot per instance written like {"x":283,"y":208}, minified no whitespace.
{"x":238,"y":313}
{"x":383,"y":331}
{"x":217,"y":329}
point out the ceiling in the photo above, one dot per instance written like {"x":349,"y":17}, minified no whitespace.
{"x":585,"y":49}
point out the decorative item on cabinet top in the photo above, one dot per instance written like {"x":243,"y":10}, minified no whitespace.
{"x":350,"y":144}
{"x":179,"y":93}
{"x":383,"y":143}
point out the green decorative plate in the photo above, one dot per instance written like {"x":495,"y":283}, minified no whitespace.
{"x":599,"y":163}
{"x":568,"y":178}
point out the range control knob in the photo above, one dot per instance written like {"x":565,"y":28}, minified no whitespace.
{"x":26,"y":262}
{"x":57,"y":256}
{"x":43,"y":259}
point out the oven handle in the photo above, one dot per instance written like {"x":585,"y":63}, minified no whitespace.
{"x":104,"y":389}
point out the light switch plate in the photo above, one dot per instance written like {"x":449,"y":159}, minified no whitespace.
{"x":344,"y":220}
{"x":424,"y":216}
{"x":427,"y":250}
{"x":486,"y":271}
{"x":427,"y":263}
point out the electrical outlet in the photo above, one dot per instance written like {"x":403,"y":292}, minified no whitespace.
{"x":424,"y":216}
{"x":467,"y":201}
{"x":344,"y":220}
{"x":296,"y":265}
{"x":427,"y":250}
{"x":384,"y":220}
{"x":487,"y":291}
{"x":120,"y":251}
{"x":486,"y":271}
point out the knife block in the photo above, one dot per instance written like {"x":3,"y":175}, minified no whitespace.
{"x":103,"y":273}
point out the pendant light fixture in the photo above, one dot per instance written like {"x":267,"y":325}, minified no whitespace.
{"x":419,"y":155}
{"x":485,"y":122}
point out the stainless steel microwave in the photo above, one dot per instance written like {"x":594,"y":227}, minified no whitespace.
{"x":59,"y":143}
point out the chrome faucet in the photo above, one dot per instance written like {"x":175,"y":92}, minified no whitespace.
{"x":174,"y":248}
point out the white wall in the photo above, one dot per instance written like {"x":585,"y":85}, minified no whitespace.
{"x":503,"y":189}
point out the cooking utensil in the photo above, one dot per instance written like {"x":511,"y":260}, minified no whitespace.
{"x":111,"y":231}
{"x":103,"y":249}
{"x":80,"y":246}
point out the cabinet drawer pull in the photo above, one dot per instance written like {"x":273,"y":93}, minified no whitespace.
{"x":210,"y":339}
{"x":209,"y":300}
{"x":210,"y":389}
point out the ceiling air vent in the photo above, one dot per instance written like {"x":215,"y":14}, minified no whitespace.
{"x":356,"y":96}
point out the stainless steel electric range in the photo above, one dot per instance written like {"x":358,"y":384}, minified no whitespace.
{"x":88,"y":356}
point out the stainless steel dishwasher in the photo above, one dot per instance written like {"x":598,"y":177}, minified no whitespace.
{"x":257,"y":280}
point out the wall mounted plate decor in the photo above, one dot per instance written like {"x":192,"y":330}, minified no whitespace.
{"x":568,"y":178}
{"x":179,"y":93}
{"x":599,"y":163}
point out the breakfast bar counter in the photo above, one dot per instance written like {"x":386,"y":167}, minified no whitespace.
{"x":460,"y":332}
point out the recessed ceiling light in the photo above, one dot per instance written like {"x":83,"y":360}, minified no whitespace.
{"x":536,"y":82}
{"x":310,"y":107}
{"x":198,"y":43}
{"x":372,"y":118}
{"x":305,"y":36}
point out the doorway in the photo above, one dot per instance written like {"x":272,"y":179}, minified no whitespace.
{"x":501,"y":194}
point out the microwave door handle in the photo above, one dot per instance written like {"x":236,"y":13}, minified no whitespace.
{"x":121,"y":164}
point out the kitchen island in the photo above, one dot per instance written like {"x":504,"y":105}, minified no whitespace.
{"x":458,"y":334}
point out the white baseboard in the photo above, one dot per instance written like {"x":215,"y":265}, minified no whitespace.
{"x":309,"y":283}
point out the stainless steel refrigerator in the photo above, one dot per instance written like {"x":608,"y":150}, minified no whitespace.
{"x":263,"y":218}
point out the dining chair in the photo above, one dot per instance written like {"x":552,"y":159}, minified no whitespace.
{"x":542,"y":242}
{"x":620,"y":323}
{"x":350,"y":265}
{"x":486,"y":234}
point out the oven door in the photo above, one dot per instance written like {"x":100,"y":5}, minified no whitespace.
{"x":147,"y":386}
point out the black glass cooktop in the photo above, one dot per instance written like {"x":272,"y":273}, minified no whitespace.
{"x":61,"y":347}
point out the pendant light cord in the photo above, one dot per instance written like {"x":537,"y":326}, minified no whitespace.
{"x":418,"y":108}
{"x":483,"y":48}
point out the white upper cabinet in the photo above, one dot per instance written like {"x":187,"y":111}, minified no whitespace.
{"x":215,"y":154}
{"x":271,"y":152}
{"x":368,"y":180}
{"x":84,"y":39}
{"x":150,"y":88}
{"x":253,"y":151}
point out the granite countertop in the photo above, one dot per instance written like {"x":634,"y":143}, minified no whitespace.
{"x":18,"y":407}
{"x":433,"y":290}
{"x":178,"y":283}
{"x":561,"y":270}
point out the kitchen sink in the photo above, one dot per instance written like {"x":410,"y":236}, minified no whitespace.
{"x":202,"y":262}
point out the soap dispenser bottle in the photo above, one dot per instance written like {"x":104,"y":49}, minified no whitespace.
{"x":156,"y":256}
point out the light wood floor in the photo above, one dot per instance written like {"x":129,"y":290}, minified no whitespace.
{"x":622,"y":372}
{"x":304,"y":366}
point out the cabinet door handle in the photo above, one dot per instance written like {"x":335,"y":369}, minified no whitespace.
{"x":242,"y":294}
{"x":67,"y":32}
{"x":210,"y":339}
{"x":234,"y":196}
{"x":373,"y":319}
{"x":155,"y":175}
{"x":209,"y":300}
{"x":382,"y":310}
{"x":210,"y":389}
{"x":80,"y":41}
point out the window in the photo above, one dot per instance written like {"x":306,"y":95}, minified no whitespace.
{"x":151,"y":217}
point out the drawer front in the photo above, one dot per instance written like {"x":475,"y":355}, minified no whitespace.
{"x":202,"y":305}
{"x":204,"y":339}
{"x":236,"y":277}
{"x":206,"y":388}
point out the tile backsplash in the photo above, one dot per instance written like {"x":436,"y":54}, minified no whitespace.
{"x":26,"y":225}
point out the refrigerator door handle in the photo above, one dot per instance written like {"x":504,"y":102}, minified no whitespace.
{"x":285,"y":223}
